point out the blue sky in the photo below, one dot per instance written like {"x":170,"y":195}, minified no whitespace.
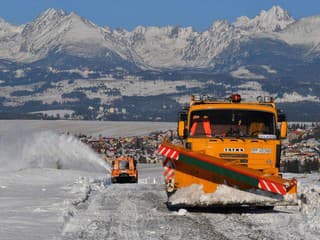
{"x":130,"y":13}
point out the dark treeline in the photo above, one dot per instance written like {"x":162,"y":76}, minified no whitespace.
{"x":298,"y":166}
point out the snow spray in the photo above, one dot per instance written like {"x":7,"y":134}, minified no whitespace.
{"x":48,"y":149}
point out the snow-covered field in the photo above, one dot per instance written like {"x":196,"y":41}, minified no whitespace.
{"x":54,"y":187}
{"x":93,"y":128}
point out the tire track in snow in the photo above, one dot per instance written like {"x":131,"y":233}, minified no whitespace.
{"x":137,"y":211}
{"x":128,"y":217}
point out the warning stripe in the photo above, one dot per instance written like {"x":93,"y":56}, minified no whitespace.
{"x":161,"y":149}
{"x":272,"y":187}
{"x":240,"y":175}
{"x":170,"y":175}
{"x":169,"y":168}
{"x":168,"y":152}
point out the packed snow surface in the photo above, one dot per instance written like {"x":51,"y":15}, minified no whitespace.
{"x":54,"y":187}
{"x":224,"y":195}
{"x":90,"y":128}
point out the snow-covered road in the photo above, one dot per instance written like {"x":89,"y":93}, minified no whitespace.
{"x":136,"y":211}
{"x":54,"y":187}
{"x":131,"y":211}
{"x":63,"y":204}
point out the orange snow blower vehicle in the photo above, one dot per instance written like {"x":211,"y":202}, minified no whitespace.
{"x":124,"y":169}
{"x":230,"y":155}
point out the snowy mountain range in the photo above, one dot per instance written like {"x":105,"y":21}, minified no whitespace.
{"x":57,"y":32}
{"x":56,"y":46}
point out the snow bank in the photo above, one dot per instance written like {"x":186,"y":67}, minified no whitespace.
{"x":224,"y":195}
{"x":48,"y":150}
{"x":81,"y":190}
{"x":151,"y":180}
{"x":310,"y":205}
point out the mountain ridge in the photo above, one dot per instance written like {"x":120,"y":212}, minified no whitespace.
{"x":150,"y":47}
{"x":63,"y":61}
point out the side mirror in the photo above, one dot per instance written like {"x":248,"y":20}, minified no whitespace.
{"x":181,"y":124}
{"x":283,"y":130}
{"x":181,"y":128}
{"x":281,"y":115}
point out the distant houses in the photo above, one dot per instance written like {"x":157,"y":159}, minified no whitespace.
{"x":300,"y":151}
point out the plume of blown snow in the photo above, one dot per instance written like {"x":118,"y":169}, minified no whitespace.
{"x":48,"y":150}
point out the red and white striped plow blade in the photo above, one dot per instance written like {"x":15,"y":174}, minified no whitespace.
{"x":169,"y":168}
{"x":168,"y":152}
{"x":169,"y":174}
{"x":272,"y":187}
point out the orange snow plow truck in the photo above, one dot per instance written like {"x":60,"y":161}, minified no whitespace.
{"x":124,"y":169}
{"x":230,"y":155}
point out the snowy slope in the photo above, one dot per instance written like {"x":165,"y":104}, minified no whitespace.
{"x":304,"y":32}
{"x":7,"y":30}
{"x":55,"y":31}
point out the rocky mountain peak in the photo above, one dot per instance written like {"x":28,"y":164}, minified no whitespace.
{"x":272,"y":20}
{"x":6,"y":29}
{"x":276,"y":13}
{"x":52,"y":13}
{"x":218,"y":25}
{"x":50,"y":17}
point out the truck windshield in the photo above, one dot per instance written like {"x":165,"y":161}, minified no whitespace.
{"x":232,"y":123}
{"x":123,"y":165}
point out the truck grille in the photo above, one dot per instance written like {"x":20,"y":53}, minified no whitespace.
{"x":242,"y":158}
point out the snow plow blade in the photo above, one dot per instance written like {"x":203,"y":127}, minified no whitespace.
{"x":194,"y":179}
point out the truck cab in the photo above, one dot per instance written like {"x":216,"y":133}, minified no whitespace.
{"x":245,"y":133}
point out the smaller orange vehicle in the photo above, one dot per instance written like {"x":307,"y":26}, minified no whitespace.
{"x":124,"y":169}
